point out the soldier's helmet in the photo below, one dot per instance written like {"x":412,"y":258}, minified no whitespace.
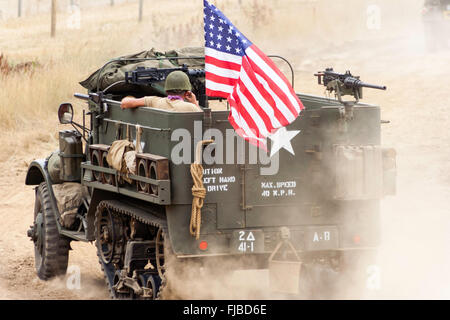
{"x":177,"y":81}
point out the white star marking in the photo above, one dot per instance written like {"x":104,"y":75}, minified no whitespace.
{"x":282,"y":139}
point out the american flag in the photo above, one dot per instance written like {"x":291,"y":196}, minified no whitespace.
{"x":260,"y":97}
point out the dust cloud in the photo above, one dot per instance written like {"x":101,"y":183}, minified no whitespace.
{"x":413,"y":257}
{"x":216,"y":280}
{"x":414,"y":253}
{"x":381,"y":41}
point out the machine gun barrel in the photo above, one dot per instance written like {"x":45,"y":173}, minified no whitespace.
{"x":356,"y":83}
{"x":81,"y":96}
{"x":96,"y":98}
{"x":344,"y":84}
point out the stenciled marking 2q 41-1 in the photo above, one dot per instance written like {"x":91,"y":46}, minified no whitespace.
{"x":319,"y":211}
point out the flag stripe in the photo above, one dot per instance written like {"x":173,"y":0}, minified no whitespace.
{"x":284,"y":85}
{"x":249,"y":103}
{"x":219,"y":79}
{"x":282,"y":96}
{"x":280,"y":106}
{"x":261,"y":97}
{"x":243,"y":115}
{"x":240,"y":125}
{"x":222,"y":64}
{"x":263,"y":125}
{"x":228,"y":57}
{"x":219,"y":87}
{"x":214,"y":93}
{"x":283,"y":103}
{"x":254,"y":54}
{"x":222,"y":71}
{"x":242,"y":119}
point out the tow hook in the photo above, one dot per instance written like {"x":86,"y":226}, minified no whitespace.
{"x":285,"y":233}
{"x":284,"y":274}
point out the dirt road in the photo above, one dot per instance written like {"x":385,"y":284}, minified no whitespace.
{"x":18,"y":279}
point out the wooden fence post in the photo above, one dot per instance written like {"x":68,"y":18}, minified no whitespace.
{"x":141,"y":5}
{"x":53,"y":19}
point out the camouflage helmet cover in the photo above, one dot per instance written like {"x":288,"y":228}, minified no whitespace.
{"x":177,"y":81}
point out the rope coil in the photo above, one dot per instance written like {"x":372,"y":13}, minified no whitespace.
{"x":198,"y":191}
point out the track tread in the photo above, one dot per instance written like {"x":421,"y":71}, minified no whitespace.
{"x":138,"y":214}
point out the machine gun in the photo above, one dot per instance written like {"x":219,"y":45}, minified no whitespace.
{"x":344,"y":84}
{"x":147,"y":76}
{"x":152,"y":76}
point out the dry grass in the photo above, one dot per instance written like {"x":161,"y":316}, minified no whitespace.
{"x":6,"y":68}
{"x":28,"y":101}
{"x":107,"y":32}
{"x":28,"y":98}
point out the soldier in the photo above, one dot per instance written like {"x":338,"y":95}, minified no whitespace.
{"x":179,"y":98}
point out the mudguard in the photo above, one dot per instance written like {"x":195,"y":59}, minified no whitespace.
{"x":38,"y":173}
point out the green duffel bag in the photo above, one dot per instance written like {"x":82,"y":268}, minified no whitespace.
{"x":112,"y":76}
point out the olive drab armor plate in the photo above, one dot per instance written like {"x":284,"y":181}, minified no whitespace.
{"x":328,"y":168}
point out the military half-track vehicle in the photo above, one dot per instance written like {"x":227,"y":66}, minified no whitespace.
{"x":315,"y":205}
{"x":436,"y":22}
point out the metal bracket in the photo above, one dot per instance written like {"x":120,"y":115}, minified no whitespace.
{"x":244,"y":206}
{"x":131,"y":283}
{"x":285,"y":233}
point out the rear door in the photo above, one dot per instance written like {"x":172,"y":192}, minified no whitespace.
{"x":275,"y":193}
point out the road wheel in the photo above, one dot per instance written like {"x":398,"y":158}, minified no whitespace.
{"x":51,"y":250}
